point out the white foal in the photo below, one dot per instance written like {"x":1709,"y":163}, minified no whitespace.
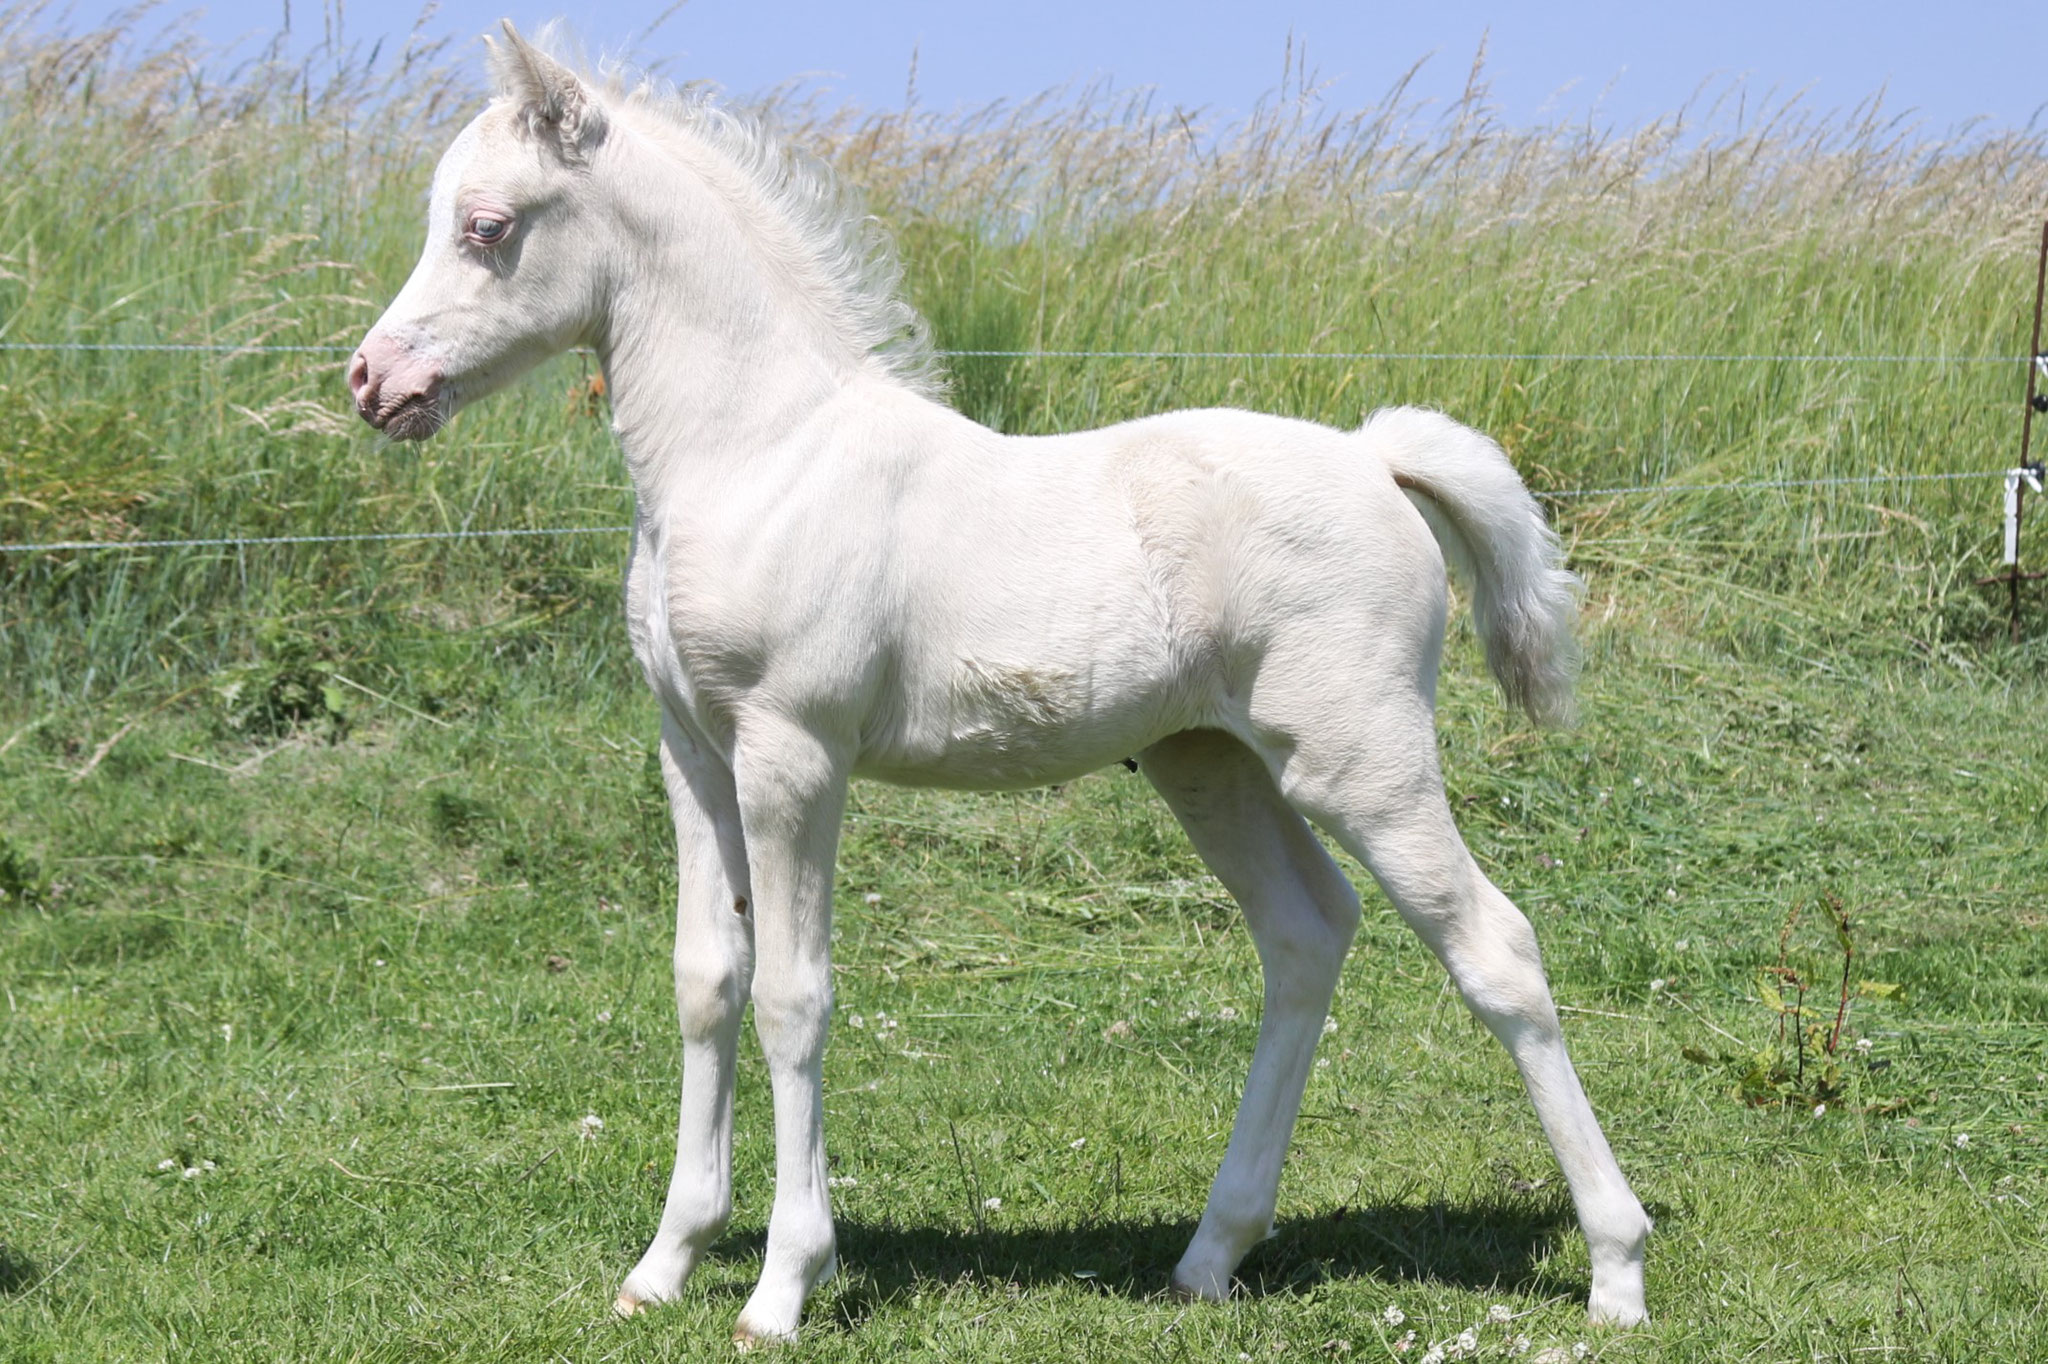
{"x":835,"y":575}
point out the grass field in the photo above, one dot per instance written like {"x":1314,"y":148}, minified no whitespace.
{"x":337,"y":878}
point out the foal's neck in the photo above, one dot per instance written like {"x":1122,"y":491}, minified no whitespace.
{"x":713,"y":355}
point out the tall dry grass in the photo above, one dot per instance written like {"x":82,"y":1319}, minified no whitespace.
{"x":156,"y":193}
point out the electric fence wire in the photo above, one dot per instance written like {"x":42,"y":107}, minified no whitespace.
{"x":1575,"y":357}
{"x":1558,"y":494}
{"x":362,"y":537}
{"x":349,"y":538}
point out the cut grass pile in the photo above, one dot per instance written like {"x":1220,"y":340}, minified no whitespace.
{"x":339,"y":876}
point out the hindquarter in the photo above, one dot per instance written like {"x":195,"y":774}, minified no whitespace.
{"x":1290,"y":573}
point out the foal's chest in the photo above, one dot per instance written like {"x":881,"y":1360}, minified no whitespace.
{"x":709,"y":627}
{"x":690,"y":645}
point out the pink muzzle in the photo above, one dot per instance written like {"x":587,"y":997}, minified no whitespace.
{"x":397,"y":389}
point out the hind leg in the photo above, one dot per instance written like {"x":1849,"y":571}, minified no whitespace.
{"x":1381,"y":796}
{"x":1302,"y":912}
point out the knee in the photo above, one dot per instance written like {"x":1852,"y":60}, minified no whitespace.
{"x":1499,"y":971}
{"x":795,"y":1010}
{"x":1304,"y":959}
{"x":1319,"y":934}
{"x":709,"y":995}
{"x":1329,"y":911}
{"x":1340,"y":915}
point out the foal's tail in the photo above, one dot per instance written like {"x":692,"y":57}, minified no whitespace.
{"x":1495,"y":538}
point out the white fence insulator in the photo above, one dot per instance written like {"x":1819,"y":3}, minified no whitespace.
{"x":2013,"y":479}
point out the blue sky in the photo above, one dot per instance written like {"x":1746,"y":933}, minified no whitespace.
{"x":1617,"y":63}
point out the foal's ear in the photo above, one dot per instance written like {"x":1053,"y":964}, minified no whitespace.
{"x":551,"y":99}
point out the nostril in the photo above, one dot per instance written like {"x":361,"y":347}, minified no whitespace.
{"x":359,"y":378}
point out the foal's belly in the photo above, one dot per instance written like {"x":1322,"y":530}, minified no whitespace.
{"x":999,"y":729}
{"x":970,"y":767}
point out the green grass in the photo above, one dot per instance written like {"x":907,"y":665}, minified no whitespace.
{"x":346,"y":868}
{"x":295,"y":971}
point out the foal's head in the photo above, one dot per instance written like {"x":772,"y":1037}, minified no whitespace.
{"x":512,"y":272}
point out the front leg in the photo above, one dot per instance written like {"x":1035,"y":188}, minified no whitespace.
{"x":792,"y":793}
{"x":714,"y":964}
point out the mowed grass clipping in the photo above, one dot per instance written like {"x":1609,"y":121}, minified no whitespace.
{"x":339,"y":877}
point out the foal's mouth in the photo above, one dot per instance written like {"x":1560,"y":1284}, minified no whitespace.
{"x":415,"y":417}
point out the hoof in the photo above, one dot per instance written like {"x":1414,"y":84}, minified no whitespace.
{"x":774,"y":1312}
{"x":1180,"y":1290}
{"x":626,"y":1305}
{"x":1617,"y":1296}
{"x":747,"y":1336}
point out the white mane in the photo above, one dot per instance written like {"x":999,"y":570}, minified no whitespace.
{"x":813,"y":222}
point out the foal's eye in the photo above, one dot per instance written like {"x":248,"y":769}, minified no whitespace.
{"x":488,"y":230}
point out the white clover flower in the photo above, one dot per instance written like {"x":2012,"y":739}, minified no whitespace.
{"x":855,"y":1021}
{"x":1820,"y":1110}
{"x":1467,"y":1341}
{"x":871,"y":898}
{"x":992,"y":1204}
{"x":1077,"y":1143}
{"x":1500,"y":1312}
{"x":192,"y":1172}
{"x":588,"y":1126}
{"x":167,"y":1164}
{"x":841,"y":1182}
{"x":1405,"y":1343}
{"x":1580,"y":1349}
{"x":1329,"y":1026}
{"x":1962,"y":1140}
{"x":1520,"y":1345}
{"x":1227,"y":1014}
{"x":1433,"y":1355}
{"x":1863,"y":1046}
{"x":604,"y":1015}
{"x":1393,"y":1316}
{"x":1658,"y":984}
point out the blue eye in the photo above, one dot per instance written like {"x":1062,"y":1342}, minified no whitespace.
{"x":488,"y":230}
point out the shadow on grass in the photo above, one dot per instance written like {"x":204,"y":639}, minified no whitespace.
{"x":17,"y":1271}
{"x":1501,"y":1247}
